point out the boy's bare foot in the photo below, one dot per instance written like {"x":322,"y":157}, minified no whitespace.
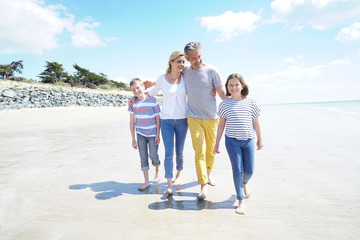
{"x":157,"y":177}
{"x":143,"y":187}
{"x":177,"y":181}
{"x":212,"y":181}
{"x":247,"y":193}
{"x":168,"y":191}
{"x":241,"y":208}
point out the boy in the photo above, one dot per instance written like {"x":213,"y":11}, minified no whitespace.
{"x":145,"y":118}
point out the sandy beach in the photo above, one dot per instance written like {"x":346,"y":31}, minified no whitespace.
{"x":70,"y":173}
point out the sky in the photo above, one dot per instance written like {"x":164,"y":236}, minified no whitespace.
{"x":288,"y":51}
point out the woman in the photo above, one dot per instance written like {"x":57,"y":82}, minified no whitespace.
{"x":173,"y":116}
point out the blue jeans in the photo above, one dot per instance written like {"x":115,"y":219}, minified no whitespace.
{"x":169,"y":129}
{"x":143,"y":144}
{"x":241,"y":154}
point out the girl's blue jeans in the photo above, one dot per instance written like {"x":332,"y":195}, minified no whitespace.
{"x":241,"y":154}
{"x":173,"y":129}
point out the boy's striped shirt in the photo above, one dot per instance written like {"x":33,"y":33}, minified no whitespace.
{"x":145,"y":112}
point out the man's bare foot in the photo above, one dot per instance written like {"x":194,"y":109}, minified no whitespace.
{"x":143,"y":187}
{"x":212,"y":181}
{"x":241,"y":208}
{"x":157,"y":177}
{"x":177,"y":181}
{"x":203,"y":192}
{"x":247,"y":193}
{"x":168,"y":191}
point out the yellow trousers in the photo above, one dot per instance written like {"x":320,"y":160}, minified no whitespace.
{"x":203,"y":135}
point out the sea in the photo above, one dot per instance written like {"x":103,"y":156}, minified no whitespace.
{"x":342,"y":107}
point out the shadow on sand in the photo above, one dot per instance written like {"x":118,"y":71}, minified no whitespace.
{"x":112,"y":189}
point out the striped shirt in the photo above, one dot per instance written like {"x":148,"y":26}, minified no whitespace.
{"x":145,"y":112}
{"x":239,"y":116}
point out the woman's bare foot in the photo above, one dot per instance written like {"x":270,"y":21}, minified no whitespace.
{"x":241,"y":208}
{"x":247,"y":193}
{"x":144,"y":186}
{"x":177,"y":181}
{"x":211,"y":179}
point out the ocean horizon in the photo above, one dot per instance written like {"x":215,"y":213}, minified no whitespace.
{"x":351,"y":107}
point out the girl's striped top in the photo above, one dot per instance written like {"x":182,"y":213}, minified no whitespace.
{"x":239,"y":116}
{"x":145,"y":112}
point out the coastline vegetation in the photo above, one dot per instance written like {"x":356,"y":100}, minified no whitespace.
{"x":55,"y":75}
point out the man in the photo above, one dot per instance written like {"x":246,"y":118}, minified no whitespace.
{"x":200,"y":80}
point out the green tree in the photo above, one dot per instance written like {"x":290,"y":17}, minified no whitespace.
{"x":88,"y":78}
{"x":53,"y":73}
{"x":9,"y":70}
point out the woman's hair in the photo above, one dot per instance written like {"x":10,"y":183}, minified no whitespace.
{"x":192,"y":46}
{"x":173,"y":56}
{"x":244,"y":91}
{"x":136,"y":81}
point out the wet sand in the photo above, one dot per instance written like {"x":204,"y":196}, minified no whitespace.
{"x":70,"y":173}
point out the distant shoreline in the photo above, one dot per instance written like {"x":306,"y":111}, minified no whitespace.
{"x":15,"y":84}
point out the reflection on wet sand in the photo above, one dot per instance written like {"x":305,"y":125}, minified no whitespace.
{"x":192,"y":204}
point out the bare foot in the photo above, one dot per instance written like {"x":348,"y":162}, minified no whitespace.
{"x":212,"y":181}
{"x":241,"y":208}
{"x":168,"y":191}
{"x":203,"y":192}
{"x":157,"y":177}
{"x":177,"y":181}
{"x":143,"y":187}
{"x":247,"y":193}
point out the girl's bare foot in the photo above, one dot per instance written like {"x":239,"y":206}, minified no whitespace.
{"x":241,"y":208}
{"x":247,"y":193}
{"x":168,"y":191}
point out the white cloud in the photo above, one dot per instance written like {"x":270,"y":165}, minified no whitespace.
{"x":318,"y":14}
{"x":31,"y":26}
{"x":350,"y":33}
{"x":285,"y":6}
{"x":295,"y":73}
{"x":231,"y":24}
{"x":298,"y":83}
{"x":84,"y":36}
{"x":291,"y":59}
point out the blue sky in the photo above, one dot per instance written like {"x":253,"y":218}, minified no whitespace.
{"x":287,"y":50}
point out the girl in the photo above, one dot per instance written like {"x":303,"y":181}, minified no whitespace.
{"x":240,"y":115}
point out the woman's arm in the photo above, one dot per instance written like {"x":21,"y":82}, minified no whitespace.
{"x":157,"y":138}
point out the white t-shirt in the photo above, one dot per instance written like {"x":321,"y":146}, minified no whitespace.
{"x":174,"y":98}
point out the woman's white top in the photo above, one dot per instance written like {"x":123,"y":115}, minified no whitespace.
{"x":174,"y":98}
